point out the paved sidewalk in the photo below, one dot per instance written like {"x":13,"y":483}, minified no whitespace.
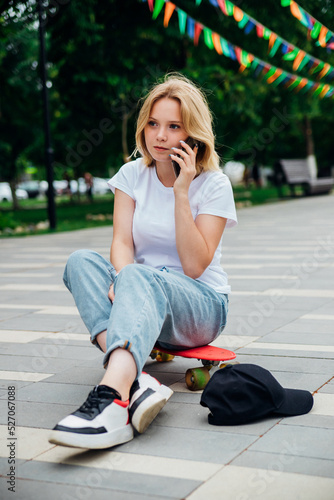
{"x":281,"y":267}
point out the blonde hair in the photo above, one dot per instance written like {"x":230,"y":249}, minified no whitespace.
{"x":196,"y":117}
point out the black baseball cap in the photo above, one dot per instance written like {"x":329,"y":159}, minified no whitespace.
{"x":240,"y":394}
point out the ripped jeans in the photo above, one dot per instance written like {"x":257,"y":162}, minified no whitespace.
{"x":150,"y":306}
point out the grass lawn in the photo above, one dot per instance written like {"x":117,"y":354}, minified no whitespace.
{"x":256,"y":196}
{"x":32,"y":216}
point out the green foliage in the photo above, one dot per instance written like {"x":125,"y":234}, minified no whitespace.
{"x":19,"y":90}
{"x":104,"y":57}
{"x":32,"y":217}
{"x":7,"y":221}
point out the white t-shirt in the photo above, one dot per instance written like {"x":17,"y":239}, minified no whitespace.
{"x":153,"y":221}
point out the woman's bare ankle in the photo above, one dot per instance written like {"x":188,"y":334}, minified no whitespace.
{"x":120,"y":372}
{"x":101,"y":339}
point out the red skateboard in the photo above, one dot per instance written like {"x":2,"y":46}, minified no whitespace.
{"x":211,"y":357}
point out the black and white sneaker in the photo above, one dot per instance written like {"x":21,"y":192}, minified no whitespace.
{"x":147,"y":398}
{"x":102,"y":421}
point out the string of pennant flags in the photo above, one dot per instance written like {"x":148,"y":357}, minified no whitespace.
{"x":316,"y":30}
{"x":274,"y":76}
{"x":299,"y":57}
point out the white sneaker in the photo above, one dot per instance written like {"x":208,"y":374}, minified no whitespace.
{"x":101,"y":422}
{"x":147,"y":398}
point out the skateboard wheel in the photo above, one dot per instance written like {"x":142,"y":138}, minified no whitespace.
{"x":163,"y":356}
{"x":197,"y":378}
{"x":154,"y":353}
{"x":223,"y":365}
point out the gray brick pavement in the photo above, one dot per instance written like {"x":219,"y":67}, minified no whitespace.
{"x":281,"y":267}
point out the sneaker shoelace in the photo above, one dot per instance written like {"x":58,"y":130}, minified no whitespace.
{"x":97,"y":396}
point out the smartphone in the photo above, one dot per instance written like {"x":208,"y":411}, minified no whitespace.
{"x":191,"y":142}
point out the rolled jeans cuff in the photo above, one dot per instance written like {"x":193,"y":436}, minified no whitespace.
{"x":100,"y":327}
{"x":123,"y":345}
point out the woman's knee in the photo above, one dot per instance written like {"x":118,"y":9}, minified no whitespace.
{"x":78,"y":262}
{"x":135,"y":270}
{"x":81,"y":257}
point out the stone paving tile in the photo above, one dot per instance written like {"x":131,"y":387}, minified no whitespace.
{"x":277,"y":244}
{"x":189,"y":444}
{"x":5,"y":383}
{"x":315,"y":338}
{"x":323,"y":404}
{"x":310,"y":420}
{"x":290,"y":439}
{"x":247,"y":307}
{"x":18,"y":298}
{"x":31,"y":490}
{"x":254,"y":285}
{"x":328,"y":308}
{"x":277,"y":463}
{"x":8,"y":337}
{"x":329,"y":387}
{"x":260,"y":484}
{"x":78,"y":375}
{"x":18,"y":278}
{"x":254,"y":324}
{"x":27,"y":377}
{"x":107,"y":479}
{"x":31,"y":442}
{"x":59,"y":310}
{"x":34,"y":414}
{"x":48,"y":350}
{"x":40,"y":322}
{"x":6,"y":314}
{"x":185,"y":397}
{"x":297,"y":352}
{"x":308,"y":304}
{"x":308,"y":326}
{"x":66,"y":340}
{"x":289,"y":364}
{"x":43,"y":392}
{"x":4,"y":468}
{"x":34,"y":364}
{"x":185,"y":416}
{"x":233,"y":342}
{"x":126,"y":462}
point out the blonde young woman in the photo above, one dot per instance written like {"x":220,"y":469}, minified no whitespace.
{"x":164,"y":283}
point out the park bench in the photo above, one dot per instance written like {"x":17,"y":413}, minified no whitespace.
{"x":296,"y":172}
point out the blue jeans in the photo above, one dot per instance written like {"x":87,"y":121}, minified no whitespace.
{"x":150,"y":306}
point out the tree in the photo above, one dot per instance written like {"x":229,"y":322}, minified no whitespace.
{"x":19,"y":111}
{"x":105,"y":56}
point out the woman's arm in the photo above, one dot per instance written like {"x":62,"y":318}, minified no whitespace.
{"x":196,"y":241}
{"x":122,"y":250}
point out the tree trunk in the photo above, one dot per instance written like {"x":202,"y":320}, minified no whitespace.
{"x":125,"y":149}
{"x":310,"y":156}
{"x":308,"y":136}
{"x":13,"y":190}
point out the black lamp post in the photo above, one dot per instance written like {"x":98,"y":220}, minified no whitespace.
{"x":47,"y":135}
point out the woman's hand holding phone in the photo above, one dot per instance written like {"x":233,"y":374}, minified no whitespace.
{"x":184,"y":162}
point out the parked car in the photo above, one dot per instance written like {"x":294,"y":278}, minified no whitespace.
{"x":6,"y":193}
{"x":32,"y":188}
{"x":100,"y":186}
{"x":60,"y":187}
{"x":78,"y":184}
